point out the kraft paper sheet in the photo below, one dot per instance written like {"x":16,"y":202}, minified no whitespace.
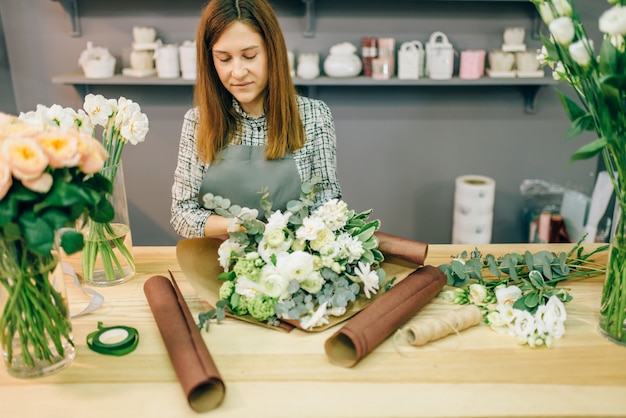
{"x":370,"y":327}
{"x":197,"y":258}
{"x":196,"y":371}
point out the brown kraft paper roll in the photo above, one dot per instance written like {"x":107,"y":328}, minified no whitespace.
{"x":370,"y":327}
{"x":406,"y":249}
{"x":196,"y":371}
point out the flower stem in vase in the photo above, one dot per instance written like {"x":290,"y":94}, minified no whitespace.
{"x":107,"y":257}
{"x":613,"y":308}
{"x":36,"y":332}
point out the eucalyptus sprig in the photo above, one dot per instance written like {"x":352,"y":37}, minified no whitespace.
{"x":536,"y":274}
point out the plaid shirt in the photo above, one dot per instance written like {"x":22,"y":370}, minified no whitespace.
{"x":316,"y":158}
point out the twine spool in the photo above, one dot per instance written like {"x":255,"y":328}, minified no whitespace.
{"x":425,"y":330}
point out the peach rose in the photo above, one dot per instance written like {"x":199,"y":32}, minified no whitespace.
{"x":5,"y":179}
{"x":92,"y":154}
{"x":61,"y":147}
{"x":25,"y":156}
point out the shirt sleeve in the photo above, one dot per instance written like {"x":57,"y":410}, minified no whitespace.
{"x":321,"y":150}
{"x":187,"y":215}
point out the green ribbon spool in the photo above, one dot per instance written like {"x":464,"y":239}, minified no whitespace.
{"x":118,"y":340}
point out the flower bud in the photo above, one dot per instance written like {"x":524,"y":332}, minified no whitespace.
{"x":580,"y":52}
{"x":562,"y":29}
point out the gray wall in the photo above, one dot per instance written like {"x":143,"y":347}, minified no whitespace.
{"x":399,"y":148}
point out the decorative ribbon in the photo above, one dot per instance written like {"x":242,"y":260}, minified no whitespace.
{"x":118,"y":340}
{"x":96,"y":298}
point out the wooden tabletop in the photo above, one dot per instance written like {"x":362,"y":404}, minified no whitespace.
{"x":269,"y":373}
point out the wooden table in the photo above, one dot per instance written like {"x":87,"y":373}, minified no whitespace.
{"x":273,"y":374}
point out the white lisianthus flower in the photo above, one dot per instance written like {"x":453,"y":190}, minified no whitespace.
{"x":477,"y":293}
{"x":310,"y":228}
{"x":555,"y":308}
{"x":580,"y":52}
{"x":563,"y":7}
{"x":613,"y":21}
{"x":524,"y":324}
{"x":273,"y":283}
{"x":297,"y":265}
{"x":618,"y":41}
{"x":545,"y":11}
{"x":507,"y":313}
{"x":497,"y":322}
{"x":555,"y":328}
{"x":98,"y":108}
{"x":449,"y":295}
{"x":313,"y":283}
{"x":368,"y":277}
{"x":562,"y":29}
{"x":540,"y":322}
{"x":226,"y":250}
{"x":508,"y":295}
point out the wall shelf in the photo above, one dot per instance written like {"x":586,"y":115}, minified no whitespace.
{"x":528,"y":86}
{"x":71,"y":8}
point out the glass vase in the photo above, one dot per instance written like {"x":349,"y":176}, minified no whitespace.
{"x":35,"y":326}
{"x":107,"y":257}
{"x":613,"y":305}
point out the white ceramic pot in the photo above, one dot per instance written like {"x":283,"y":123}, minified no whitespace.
{"x":343,"y":65}
{"x":308,"y":66}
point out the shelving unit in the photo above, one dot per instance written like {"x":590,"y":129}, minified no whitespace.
{"x":528,"y":86}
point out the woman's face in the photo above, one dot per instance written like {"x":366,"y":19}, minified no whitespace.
{"x":240,"y":59}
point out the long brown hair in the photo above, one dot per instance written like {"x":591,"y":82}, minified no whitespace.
{"x":218,"y":120}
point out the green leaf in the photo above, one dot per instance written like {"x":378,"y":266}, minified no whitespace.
{"x":72,"y":241}
{"x":572,"y":109}
{"x":589,"y":150}
{"x":608,"y":57}
{"x":38,"y":233}
{"x":580,"y":125}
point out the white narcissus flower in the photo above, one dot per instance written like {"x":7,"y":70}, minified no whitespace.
{"x":581,"y":52}
{"x":562,"y":30}
{"x":368,"y":277}
{"x":477,"y":293}
{"x":98,"y":108}
{"x":135,"y":128}
{"x":613,"y":21}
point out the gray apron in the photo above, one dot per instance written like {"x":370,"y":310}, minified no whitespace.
{"x":242,"y":172}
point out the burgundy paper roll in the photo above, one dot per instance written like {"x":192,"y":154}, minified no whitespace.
{"x":196,"y":371}
{"x":409,"y":250}
{"x":370,"y":327}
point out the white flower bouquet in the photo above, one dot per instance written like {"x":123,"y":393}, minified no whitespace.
{"x":301,"y":266}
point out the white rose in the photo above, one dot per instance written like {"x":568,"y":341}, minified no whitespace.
{"x":275,"y":238}
{"x":297,"y":265}
{"x":580,"y":52}
{"x":562,"y":29}
{"x":313,"y":283}
{"x":273,"y":283}
{"x":324,"y":238}
{"x":613,"y":21}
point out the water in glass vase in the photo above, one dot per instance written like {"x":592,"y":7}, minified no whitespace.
{"x":107,"y":256}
